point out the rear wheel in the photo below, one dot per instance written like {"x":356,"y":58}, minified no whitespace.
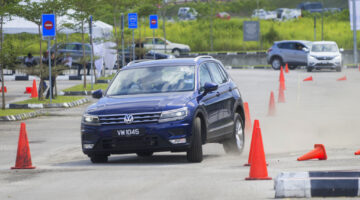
{"x":195,"y":153}
{"x":309,"y":69}
{"x":145,"y":154}
{"x":276,"y":63}
{"x":235,"y":144}
{"x":99,"y":158}
{"x":176,"y":52}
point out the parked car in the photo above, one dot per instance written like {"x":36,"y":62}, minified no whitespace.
{"x":187,"y":13}
{"x":324,"y":55}
{"x":172,"y":105}
{"x":263,"y":14}
{"x":311,"y":6}
{"x":293,"y":52}
{"x":75,"y":51}
{"x":159,"y":46}
{"x":286,"y":13}
{"x":223,"y":15}
{"x":158,"y":56}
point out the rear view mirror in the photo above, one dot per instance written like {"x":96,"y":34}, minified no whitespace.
{"x":341,"y":50}
{"x":305,"y":49}
{"x":209,"y":87}
{"x":97,"y":94}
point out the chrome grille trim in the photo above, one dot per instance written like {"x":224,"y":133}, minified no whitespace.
{"x":149,"y":117}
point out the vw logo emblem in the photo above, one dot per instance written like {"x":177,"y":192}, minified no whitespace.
{"x":128,"y":119}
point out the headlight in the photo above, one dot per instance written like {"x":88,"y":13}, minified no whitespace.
{"x":313,"y":57}
{"x":91,"y":119}
{"x":338,"y":57}
{"x":173,"y":115}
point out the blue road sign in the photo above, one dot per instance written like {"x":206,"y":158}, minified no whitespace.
{"x":48,"y":25}
{"x":132,"y":20}
{"x":153,"y":21}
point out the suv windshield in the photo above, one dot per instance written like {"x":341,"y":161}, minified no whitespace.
{"x":157,"y":79}
{"x":324,"y":48}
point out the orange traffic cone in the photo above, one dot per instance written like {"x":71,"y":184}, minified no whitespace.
{"x":286,"y":68}
{"x":281,"y":78}
{"x":357,"y":153}
{"x":308,"y":78}
{"x":34,"y":92}
{"x":247,"y":118}
{"x":253,"y":139}
{"x":258,"y":169}
{"x":281,"y":97}
{"x":272,"y":104}
{"x":342,"y":78}
{"x":319,"y":153}
{"x":282,"y":85}
{"x":5,"y":89}
{"x":23,"y":157}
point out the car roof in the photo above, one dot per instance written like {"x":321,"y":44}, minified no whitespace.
{"x":169,"y":62}
{"x":324,"y":42}
{"x":303,"y":41}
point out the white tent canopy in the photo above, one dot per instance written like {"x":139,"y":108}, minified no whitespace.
{"x":20,"y":25}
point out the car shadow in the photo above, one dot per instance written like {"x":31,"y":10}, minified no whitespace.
{"x":133,"y":160}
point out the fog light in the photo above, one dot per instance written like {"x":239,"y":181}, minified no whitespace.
{"x":178,"y":141}
{"x":88,"y":146}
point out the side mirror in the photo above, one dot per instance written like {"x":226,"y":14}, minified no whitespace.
{"x":97,"y":94}
{"x":209,"y":87}
{"x":341,"y":50}
{"x":306,"y":50}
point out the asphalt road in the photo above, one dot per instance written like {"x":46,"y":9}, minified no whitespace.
{"x":323,"y":111}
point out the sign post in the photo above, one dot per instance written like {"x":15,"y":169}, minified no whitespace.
{"x":92,"y":52}
{"x":133,"y":24}
{"x":251,"y":30}
{"x":48,"y":32}
{"x":122,"y":41}
{"x":153,"y":25}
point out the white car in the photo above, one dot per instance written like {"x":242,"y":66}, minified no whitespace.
{"x":263,"y":14}
{"x":324,"y":55}
{"x":159,"y":46}
{"x":286,"y":13}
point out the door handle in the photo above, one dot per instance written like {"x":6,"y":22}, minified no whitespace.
{"x":217,"y":94}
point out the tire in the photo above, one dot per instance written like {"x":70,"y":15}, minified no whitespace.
{"x":338,"y":69}
{"x":145,"y":154}
{"x":99,"y":159}
{"x":292,"y":67}
{"x":176,"y":52}
{"x":235,"y":144}
{"x":195,"y":153}
{"x":276,"y":63}
{"x":309,"y":69}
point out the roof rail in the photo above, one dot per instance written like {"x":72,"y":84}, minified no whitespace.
{"x":137,"y":61}
{"x":199,"y":57}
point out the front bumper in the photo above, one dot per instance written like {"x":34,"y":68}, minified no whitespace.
{"x":324,"y":64}
{"x":156,"y":138}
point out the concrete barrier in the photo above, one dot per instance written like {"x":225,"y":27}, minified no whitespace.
{"x":317,"y":184}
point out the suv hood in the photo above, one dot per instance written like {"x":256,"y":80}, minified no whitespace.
{"x":139,"y":103}
{"x":327,"y":54}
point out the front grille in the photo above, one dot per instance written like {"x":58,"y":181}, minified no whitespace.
{"x":152,"y":117}
{"x":324,"y":57}
{"x":130,"y":142}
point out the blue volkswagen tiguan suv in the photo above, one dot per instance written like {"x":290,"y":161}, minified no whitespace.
{"x":172,"y":105}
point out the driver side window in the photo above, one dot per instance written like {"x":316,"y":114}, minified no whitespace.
{"x":204,"y":76}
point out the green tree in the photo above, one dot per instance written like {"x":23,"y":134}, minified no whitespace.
{"x":83,"y":10}
{"x":7,"y":9}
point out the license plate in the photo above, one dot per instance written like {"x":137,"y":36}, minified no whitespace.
{"x":128,"y":132}
{"x":324,"y":62}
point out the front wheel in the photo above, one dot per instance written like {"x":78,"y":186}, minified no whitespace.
{"x":99,"y":158}
{"x":338,"y":69}
{"x":235,"y":144}
{"x":309,"y":69}
{"x":276,"y":63}
{"x":195,"y":153}
{"x":176,"y":52}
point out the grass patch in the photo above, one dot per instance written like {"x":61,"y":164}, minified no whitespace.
{"x":59,"y":99}
{"x":107,"y":77}
{"x":7,"y":112}
{"x":80,"y":87}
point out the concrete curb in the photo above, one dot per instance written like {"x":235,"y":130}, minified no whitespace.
{"x":317,"y":184}
{"x":103,"y":81}
{"x":53,"y":105}
{"x":77,"y":93}
{"x":21,"y":116}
